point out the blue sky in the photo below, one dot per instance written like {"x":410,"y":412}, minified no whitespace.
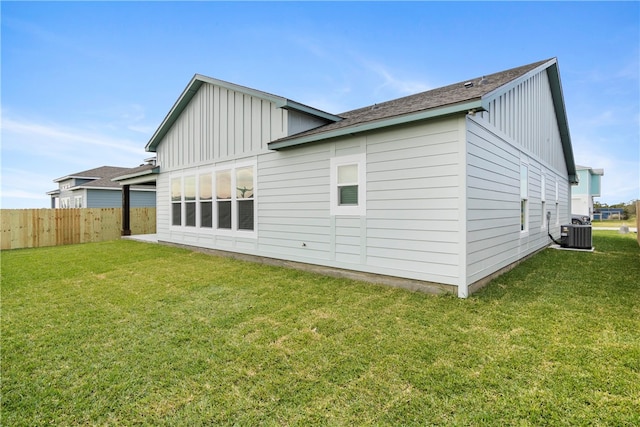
{"x":86,"y":84}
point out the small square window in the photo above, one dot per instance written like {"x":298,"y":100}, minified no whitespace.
{"x":348,"y":186}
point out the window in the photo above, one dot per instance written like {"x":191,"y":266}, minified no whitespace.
{"x":524,"y":198}
{"x":64,"y":202}
{"x":543,"y":201}
{"x":348,"y":185}
{"x":205,"y":198}
{"x":190,"y":201}
{"x":176,"y":201}
{"x":557,"y":205}
{"x":77,"y":202}
{"x":223,"y":198}
{"x":244,"y":197}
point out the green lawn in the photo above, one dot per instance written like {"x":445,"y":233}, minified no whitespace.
{"x":123,"y":333}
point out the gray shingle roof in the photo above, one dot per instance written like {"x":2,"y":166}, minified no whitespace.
{"x":102,"y":176}
{"x":448,"y":95}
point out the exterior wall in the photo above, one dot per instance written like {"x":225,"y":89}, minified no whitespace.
{"x":584,"y":183}
{"x":494,"y":238}
{"x":582,"y":204}
{"x":519,"y":128}
{"x":113,"y":199}
{"x":220,"y":124}
{"x":525,"y":114}
{"x":412,"y":226}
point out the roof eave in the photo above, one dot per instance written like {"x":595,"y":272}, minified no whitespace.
{"x":198,"y":80}
{"x":143,"y":177}
{"x":292,"y":105}
{"x":64,"y":178}
{"x":551,"y":67}
{"x":474,"y":104}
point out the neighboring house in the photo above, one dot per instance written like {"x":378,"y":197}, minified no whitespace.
{"x":588,"y":187}
{"x":444,"y":188}
{"x":95,"y":188}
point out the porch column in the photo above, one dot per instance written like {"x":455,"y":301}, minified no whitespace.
{"x":126,"y":215}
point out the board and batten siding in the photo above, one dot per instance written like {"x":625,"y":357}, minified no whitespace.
{"x":527,"y":116}
{"x":221,"y":124}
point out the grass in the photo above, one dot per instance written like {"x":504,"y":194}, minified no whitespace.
{"x":631,"y":222}
{"x":127,"y":333}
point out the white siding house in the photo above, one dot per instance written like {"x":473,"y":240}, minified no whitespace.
{"x":444,"y":188}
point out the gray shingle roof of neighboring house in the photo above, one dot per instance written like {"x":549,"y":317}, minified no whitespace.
{"x":102,"y":177}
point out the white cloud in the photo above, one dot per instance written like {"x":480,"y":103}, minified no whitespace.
{"x":34,"y":153}
{"x":22,"y":134}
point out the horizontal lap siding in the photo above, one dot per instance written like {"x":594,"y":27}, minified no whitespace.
{"x":494,"y":239}
{"x":293,"y":204}
{"x":412,"y":221}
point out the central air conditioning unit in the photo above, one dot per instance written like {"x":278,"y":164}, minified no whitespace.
{"x":576,"y":236}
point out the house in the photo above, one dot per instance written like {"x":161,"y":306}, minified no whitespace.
{"x":438,"y":191}
{"x":96,"y":188}
{"x":588,"y":187}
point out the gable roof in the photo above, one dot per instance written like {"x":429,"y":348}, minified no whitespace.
{"x":198,"y":80}
{"x":458,"y":97}
{"x":469,"y":95}
{"x":102,"y":177}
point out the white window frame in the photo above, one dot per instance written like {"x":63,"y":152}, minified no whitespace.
{"x":214,"y":230}
{"x":543,"y":200}
{"x":348,"y":210}
{"x":200,"y":201}
{"x":557,"y":204}
{"x":524,"y":198}
{"x":234,"y":231}
{"x":77,"y":201}
{"x":172,"y":202}
{"x":65,"y":202}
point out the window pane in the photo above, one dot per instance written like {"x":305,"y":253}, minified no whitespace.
{"x":348,"y":195}
{"x":524,"y":182}
{"x":205,"y":187}
{"x":348,"y":174}
{"x":176,"y":189}
{"x":523,"y":215}
{"x":190,"y":213}
{"x":224,"y":214}
{"x":206,"y":219}
{"x":190,"y":188}
{"x":223,"y":184}
{"x":244,"y":183}
{"x":245,"y":214}
{"x":176,"y":211}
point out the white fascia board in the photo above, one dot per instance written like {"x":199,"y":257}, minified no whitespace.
{"x":392,"y":121}
{"x":144,"y":176}
{"x":145,"y":179}
{"x":113,"y":189}
{"x":64,"y":178}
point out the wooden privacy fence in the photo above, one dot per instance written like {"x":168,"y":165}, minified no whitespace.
{"x":31,"y":228}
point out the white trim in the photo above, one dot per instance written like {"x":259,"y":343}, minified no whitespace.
{"x":361,"y":208}
{"x":214,"y":230}
{"x":524,"y":196}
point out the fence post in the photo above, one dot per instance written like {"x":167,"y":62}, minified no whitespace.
{"x":126,"y":214}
